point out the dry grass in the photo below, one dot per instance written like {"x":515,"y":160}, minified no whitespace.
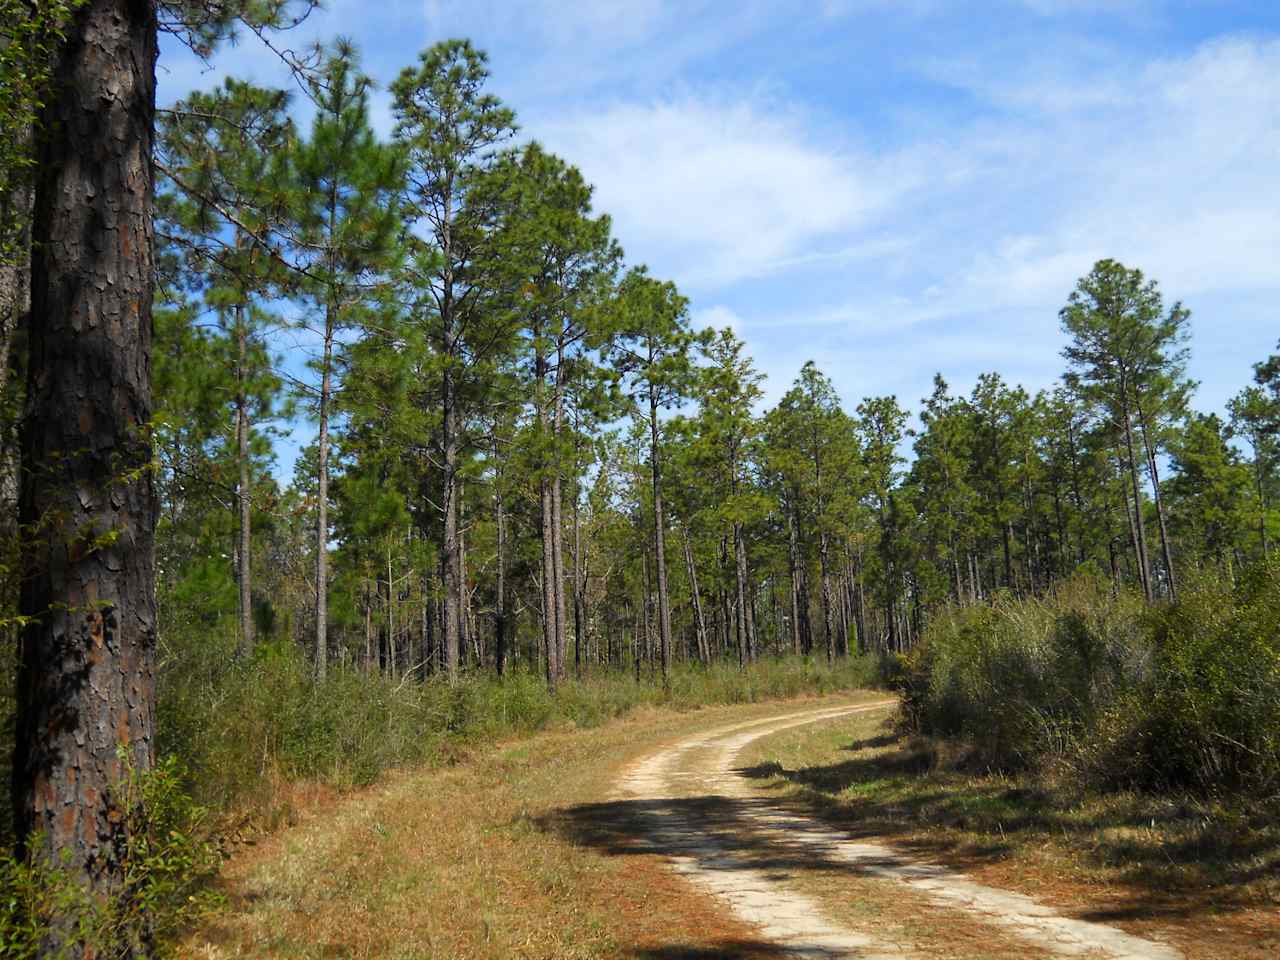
{"x":1202,"y":875}
{"x":456,"y":863}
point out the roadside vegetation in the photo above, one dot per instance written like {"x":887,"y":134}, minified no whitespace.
{"x":1118,"y":759}
{"x":530,"y":490}
{"x":1099,"y":689}
{"x":252,"y":747}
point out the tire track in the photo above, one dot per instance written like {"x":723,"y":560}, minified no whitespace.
{"x":690,"y":805}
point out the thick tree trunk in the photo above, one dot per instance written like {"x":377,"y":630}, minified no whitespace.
{"x":86,"y":682}
{"x":659,"y":542}
{"x":244,"y":547}
{"x":15,"y":304}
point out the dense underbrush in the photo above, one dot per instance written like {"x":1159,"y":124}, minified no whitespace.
{"x":235,"y":737}
{"x":247,"y":729}
{"x":1109,"y":691}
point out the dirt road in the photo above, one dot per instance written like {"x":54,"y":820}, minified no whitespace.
{"x":687,"y":802}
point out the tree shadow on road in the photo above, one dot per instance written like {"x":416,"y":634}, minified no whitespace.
{"x":1176,"y":855}
{"x":725,"y":950}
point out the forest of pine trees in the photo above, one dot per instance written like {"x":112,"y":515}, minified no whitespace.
{"x":520,"y":453}
{"x":524,"y":454}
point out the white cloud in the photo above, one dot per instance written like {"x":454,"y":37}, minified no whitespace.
{"x":714,"y":192}
{"x":1179,"y":178}
{"x":716,"y":317}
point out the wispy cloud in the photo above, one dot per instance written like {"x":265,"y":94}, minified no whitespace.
{"x":711,"y":192}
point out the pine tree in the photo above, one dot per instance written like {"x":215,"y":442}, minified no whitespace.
{"x":223,"y":154}
{"x":87,"y":678}
{"x":811,"y":447}
{"x":1256,"y":417}
{"x":1125,"y":356}
{"x":451,"y":131}
{"x":1209,"y":491}
{"x":881,"y":423}
{"x":650,"y":350}
{"x":555,"y":269}
{"x":726,"y":429}
{"x":347,"y":218}
{"x":940,"y":474}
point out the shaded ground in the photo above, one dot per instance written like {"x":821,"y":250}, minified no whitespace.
{"x":691,"y":803}
{"x":530,"y":850}
{"x":1202,"y":875}
{"x":453,"y":864}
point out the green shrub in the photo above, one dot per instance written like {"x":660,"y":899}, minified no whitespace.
{"x":168,"y":863}
{"x":1214,"y":717}
{"x":1184,"y":695}
{"x":244,"y":728}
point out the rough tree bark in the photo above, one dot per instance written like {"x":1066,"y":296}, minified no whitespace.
{"x":15,"y":303}
{"x":86,"y":684}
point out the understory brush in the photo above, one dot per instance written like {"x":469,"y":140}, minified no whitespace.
{"x":249,"y":729}
{"x":1109,"y":691}
{"x":237,"y":735}
{"x":168,"y":858}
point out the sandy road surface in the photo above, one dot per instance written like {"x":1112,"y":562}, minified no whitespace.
{"x":687,"y":802}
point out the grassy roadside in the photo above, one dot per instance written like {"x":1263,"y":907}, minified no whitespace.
{"x":1203,"y":875}
{"x":465,"y":862}
{"x":250,"y":733}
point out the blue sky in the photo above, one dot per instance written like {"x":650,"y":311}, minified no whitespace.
{"x":892,"y":187}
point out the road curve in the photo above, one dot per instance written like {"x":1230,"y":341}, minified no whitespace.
{"x":687,"y":802}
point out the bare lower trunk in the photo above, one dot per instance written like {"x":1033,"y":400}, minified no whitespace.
{"x":85,"y":691}
{"x":659,"y":541}
{"x":549,"y":629}
{"x":579,"y":576}
{"x":1140,"y":536}
{"x":827,"y":625}
{"x":322,"y":510}
{"x":557,"y":563}
{"x":466,"y":635}
{"x":1166,"y":549}
{"x":793,"y":560}
{"x":500,"y":597}
{"x":744,"y":610}
{"x":450,"y":567}
{"x":245,"y":545}
{"x":704,"y":653}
